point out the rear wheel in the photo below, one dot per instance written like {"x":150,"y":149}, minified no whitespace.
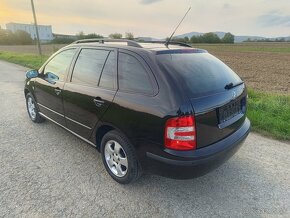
{"x":32,"y":109}
{"x":119,"y":158}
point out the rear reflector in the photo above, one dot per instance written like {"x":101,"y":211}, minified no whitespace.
{"x":180,"y":133}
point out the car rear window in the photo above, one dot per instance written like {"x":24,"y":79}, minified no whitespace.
{"x":202,"y":73}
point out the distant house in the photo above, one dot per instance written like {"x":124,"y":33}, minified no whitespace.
{"x":45,"y":31}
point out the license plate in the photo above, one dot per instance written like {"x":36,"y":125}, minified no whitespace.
{"x":229,"y":111}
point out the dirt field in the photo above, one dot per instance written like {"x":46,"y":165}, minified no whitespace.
{"x":264,"y":66}
{"x":261,"y":70}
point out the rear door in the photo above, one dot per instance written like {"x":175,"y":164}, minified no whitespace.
{"x":90,"y":89}
{"x":48,"y":86}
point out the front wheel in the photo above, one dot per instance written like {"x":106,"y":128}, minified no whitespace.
{"x":32,"y":109}
{"x":119,"y":158}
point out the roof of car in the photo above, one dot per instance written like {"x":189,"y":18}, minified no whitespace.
{"x":157,"y":47}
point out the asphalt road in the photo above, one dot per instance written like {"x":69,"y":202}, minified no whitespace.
{"x":47,"y":172}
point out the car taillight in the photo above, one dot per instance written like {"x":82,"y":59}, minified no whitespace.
{"x":180,"y":133}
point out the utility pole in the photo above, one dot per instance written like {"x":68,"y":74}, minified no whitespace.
{"x":36,"y":28}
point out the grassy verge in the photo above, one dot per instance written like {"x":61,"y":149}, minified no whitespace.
{"x":268,"y":112}
{"x":26,"y":60}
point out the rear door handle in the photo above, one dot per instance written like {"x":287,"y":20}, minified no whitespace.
{"x":57,"y":91}
{"x":98,"y":102}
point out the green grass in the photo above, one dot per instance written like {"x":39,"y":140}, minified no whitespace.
{"x":26,"y":60}
{"x":270,"y":114}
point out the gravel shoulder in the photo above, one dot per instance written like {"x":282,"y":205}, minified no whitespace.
{"x":47,"y":172}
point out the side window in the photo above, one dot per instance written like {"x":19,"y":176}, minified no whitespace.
{"x":58,"y":65}
{"x":132,"y":75}
{"x":88,"y":67}
{"x":107,"y":78}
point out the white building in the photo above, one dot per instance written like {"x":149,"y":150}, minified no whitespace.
{"x":45,"y":31}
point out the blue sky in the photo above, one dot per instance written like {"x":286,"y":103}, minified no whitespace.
{"x":156,"y":18}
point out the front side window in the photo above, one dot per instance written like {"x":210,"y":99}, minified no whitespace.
{"x":89,"y":66}
{"x":132,"y":75}
{"x":56,"y":68}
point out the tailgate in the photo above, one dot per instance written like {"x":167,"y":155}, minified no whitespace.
{"x":219,"y":115}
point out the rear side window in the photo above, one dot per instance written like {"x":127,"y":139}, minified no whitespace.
{"x":58,"y":65}
{"x":201,"y":73}
{"x":88,"y":67}
{"x":132,"y":75}
{"x":107,"y":78}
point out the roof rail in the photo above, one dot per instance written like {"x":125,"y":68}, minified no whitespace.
{"x":103,"y":40}
{"x":170,"y":43}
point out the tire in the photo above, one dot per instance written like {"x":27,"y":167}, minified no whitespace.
{"x":32,"y":109}
{"x":115,"y":148}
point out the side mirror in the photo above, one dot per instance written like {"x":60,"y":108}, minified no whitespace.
{"x":32,"y":74}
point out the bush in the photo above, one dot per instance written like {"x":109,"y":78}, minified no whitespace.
{"x":116,"y":36}
{"x":129,"y":36}
{"x":18,"y":38}
{"x":81,"y":35}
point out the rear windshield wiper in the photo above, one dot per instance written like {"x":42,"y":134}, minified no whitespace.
{"x":231,"y":85}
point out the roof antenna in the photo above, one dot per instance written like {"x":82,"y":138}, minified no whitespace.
{"x":168,"y":40}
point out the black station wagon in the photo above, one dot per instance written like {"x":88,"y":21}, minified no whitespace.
{"x":167,"y":109}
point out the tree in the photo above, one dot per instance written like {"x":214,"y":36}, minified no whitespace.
{"x":176,"y":39}
{"x":93,"y":36}
{"x":129,"y":35}
{"x":80,"y":35}
{"x":210,"y":38}
{"x":22,"y":38}
{"x":195,"y":39}
{"x":116,"y":36}
{"x":228,"y":38}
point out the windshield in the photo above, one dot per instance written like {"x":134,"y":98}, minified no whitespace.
{"x":202,"y":73}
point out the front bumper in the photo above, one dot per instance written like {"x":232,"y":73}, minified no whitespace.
{"x":190,"y":164}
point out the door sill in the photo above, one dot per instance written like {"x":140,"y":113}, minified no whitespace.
{"x":84,"y":139}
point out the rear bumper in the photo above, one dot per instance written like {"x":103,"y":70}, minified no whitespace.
{"x":190,"y":164}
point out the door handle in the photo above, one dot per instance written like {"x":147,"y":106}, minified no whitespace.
{"x":98,"y":102}
{"x":57,"y":91}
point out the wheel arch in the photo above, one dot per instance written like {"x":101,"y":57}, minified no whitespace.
{"x":100,"y":131}
{"x":26,"y":91}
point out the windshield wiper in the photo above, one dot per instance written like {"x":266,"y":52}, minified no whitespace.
{"x":231,"y":85}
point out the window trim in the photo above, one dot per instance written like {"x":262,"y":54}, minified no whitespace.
{"x":70,"y":75}
{"x":115,"y":72}
{"x":42,"y":68}
{"x":148,"y":70}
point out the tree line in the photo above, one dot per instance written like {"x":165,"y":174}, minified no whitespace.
{"x":81,"y":35}
{"x":21,"y":37}
{"x":207,"y":38}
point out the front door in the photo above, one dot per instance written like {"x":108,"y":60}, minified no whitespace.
{"x":49,"y":85}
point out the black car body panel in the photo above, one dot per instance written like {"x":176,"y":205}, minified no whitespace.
{"x":186,"y":165}
{"x":89,"y":111}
